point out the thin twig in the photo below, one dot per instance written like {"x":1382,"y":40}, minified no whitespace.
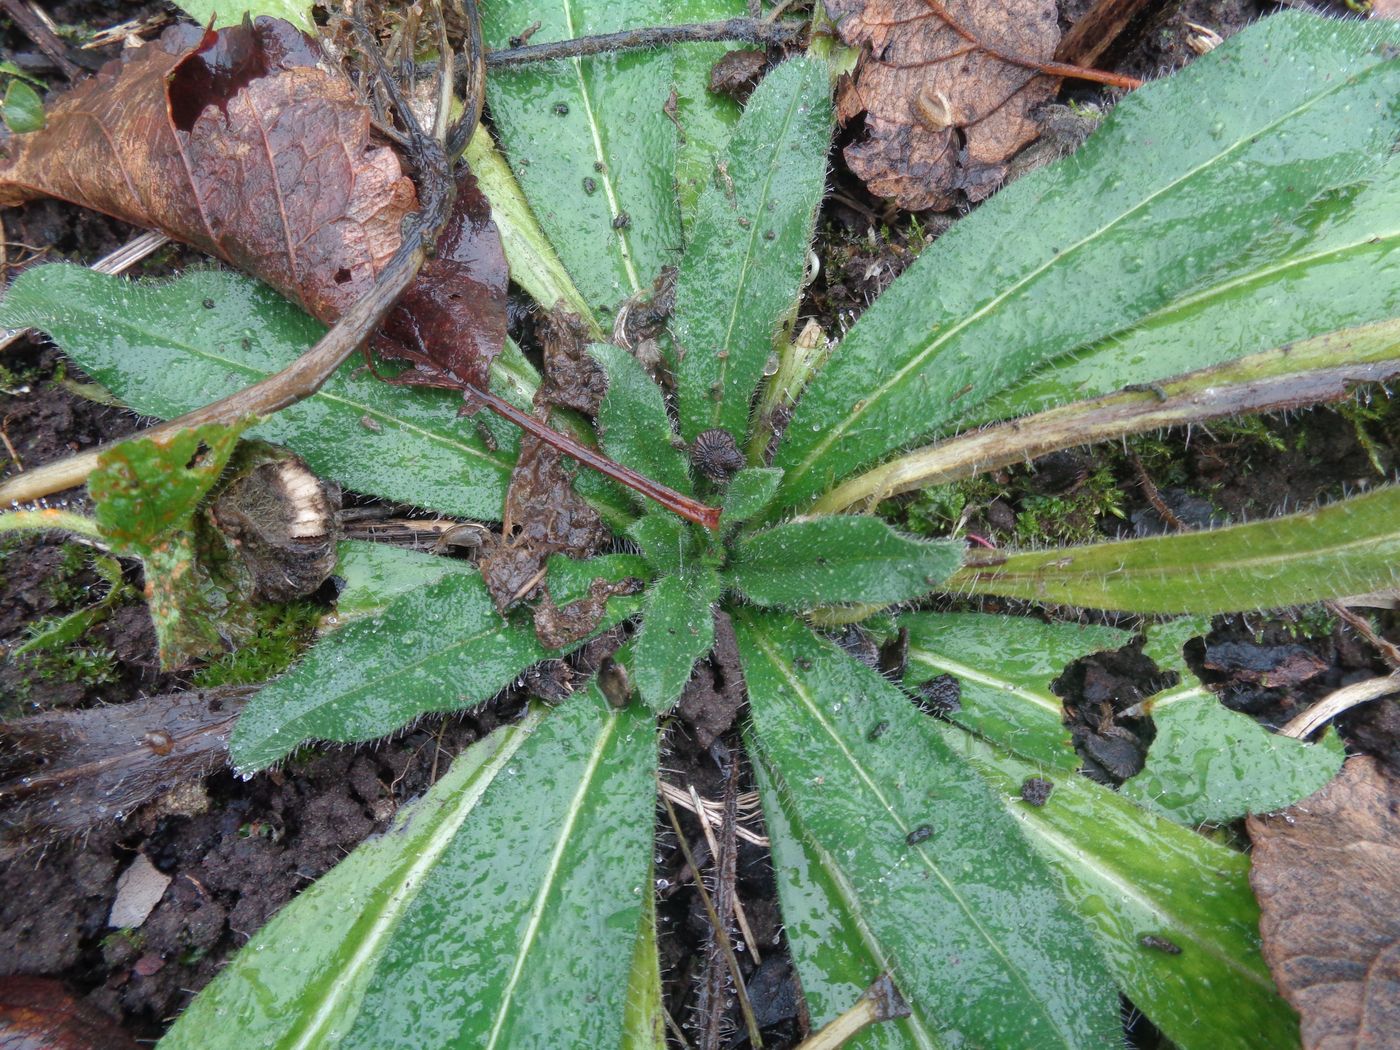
{"x":708,"y":814}
{"x":32,"y":25}
{"x":1149,"y":490}
{"x":744,"y":30}
{"x":672,"y":500}
{"x":1052,"y":69}
{"x":745,"y":1007}
{"x":1390,"y":653}
{"x":707,"y":826}
{"x":1333,"y":704}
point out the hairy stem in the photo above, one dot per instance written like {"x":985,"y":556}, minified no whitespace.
{"x":744,"y":30}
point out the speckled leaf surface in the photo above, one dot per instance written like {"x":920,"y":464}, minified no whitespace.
{"x":835,"y":956}
{"x":302,"y":979}
{"x":678,"y":628}
{"x":556,"y":856}
{"x":1132,"y":875}
{"x":449,"y":931}
{"x":1348,"y":547}
{"x":749,"y":492}
{"x":632,"y":422}
{"x":1119,"y":232}
{"x":377,"y":573}
{"x":166,"y":349}
{"x":984,"y":949}
{"x":1004,"y":666}
{"x":590,"y":143}
{"x":841,"y":558}
{"x":1333,"y":267}
{"x":438,"y":648}
{"x":740,"y":276}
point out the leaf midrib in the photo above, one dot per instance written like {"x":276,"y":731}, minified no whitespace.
{"x":851,"y":418}
{"x":919,"y":850}
{"x":551,"y":873}
{"x":936,"y":660}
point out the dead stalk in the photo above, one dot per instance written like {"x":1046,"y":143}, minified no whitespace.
{"x":742,"y":30}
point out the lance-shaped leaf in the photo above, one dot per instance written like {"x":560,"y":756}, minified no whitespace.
{"x":166,"y":349}
{"x":632,"y":421}
{"x":434,"y":649}
{"x":1004,"y":666}
{"x":459,"y":926}
{"x":821,"y":561}
{"x":1119,"y":231}
{"x":665,"y":539}
{"x":374,"y":574}
{"x":835,"y":955}
{"x":1348,"y":547}
{"x":678,"y":628}
{"x":1171,"y":910}
{"x":591,"y":144}
{"x":1321,"y":279}
{"x":749,"y":492}
{"x":706,"y":118}
{"x":743,"y":268}
{"x":644,"y":1015}
{"x":935,"y":872}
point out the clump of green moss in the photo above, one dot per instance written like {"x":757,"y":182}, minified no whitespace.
{"x":280,"y":634}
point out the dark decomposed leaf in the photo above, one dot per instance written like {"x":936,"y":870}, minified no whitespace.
{"x":1327,"y":875}
{"x":560,"y":627}
{"x":66,"y":771}
{"x":572,"y":379}
{"x":942,"y":115}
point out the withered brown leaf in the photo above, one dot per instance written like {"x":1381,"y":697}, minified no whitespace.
{"x":242,"y":143}
{"x":37,"y":1013}
{"x":1327,"y":875}
{"x":941,"y":114}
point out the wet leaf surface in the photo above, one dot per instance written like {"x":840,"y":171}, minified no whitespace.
{"x":1327,"y":874}
{"x":942,"y":116}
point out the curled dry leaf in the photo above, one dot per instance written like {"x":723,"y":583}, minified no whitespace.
{"x":249,"y":145}
{"x":941,"y":114}
{"x":1327,"y":875}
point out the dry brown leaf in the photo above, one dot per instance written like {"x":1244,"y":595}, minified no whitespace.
{"x":37,"y":1013}
{"x":1327,"y":875}
{"x":238,"y":142}
{"x":942,"y":115}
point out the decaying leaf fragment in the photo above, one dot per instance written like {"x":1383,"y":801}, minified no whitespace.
{"x":241,"y":142}
{"x":1327,"y":875}
{"x":941,"y":114}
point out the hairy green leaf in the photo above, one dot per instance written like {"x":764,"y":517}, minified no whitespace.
{"x":377,"y":573}
{"x":591,"y":143}
{"x":632,"y":421}
{"x":740,"y":276}
{"x":644,"y":1015}
{"x":569,"y":578}
{"x":821,"y":561}
{"x":835,"y":955}
{"x":1335,"y":270}
{"x":678,"y":628}
{"x":459,"y":914}
{"x":666,"y":540}
{"x":706,"y":119}
{"x":1133,"y":877}
{"x":487,"y":952}
{"x":1120,"y":229}
{"x":1004,"y":666}
{"x":168,"y":348}
{"x":23,"y":108}
{"x":297,"y":12}
{"x":1209,"y":764}
{"x":932,"y":867}
{"x":1348,"y":547}
{"x":437,"y":648}
{"x":749,"y":492}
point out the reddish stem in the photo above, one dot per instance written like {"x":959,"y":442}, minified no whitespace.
{"x":672,"y":500}
{"x":1054,"y":69}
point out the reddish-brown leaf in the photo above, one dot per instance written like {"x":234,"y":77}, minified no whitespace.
{"x":941,"y":114}
{"x":243,"y":143}
{"x":39,"y":1014}
{"x":1327,"y":875}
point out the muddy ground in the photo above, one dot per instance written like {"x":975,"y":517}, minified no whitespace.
{"x":239,"y":850}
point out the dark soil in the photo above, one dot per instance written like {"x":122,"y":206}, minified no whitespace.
{"x":238,"y":851}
